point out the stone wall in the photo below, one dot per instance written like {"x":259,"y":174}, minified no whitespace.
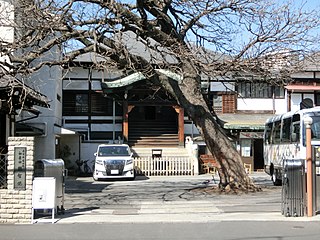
{"x":16,"y":204}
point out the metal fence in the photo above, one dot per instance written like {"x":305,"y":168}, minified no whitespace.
{"x":3,"y":170}
{"x":165,"y":166}
{"x":293,"y":188}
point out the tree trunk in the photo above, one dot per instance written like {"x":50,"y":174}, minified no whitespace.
{"x":231,"y":170}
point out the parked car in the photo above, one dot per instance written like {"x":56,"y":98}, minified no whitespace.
{"x":113,"y":161}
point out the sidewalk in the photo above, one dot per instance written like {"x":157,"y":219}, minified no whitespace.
{"x":173,"y":212}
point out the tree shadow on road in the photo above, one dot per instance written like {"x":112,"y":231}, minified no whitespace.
{"x":82,"y":185}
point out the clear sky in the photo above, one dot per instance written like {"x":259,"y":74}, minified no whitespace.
{"x":311,"y":4}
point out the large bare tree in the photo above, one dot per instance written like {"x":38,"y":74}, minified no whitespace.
{"x":191,"y":38}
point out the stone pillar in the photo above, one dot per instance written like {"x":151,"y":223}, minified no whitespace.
{"x":193,"y":152}
{"x":16,"y":203}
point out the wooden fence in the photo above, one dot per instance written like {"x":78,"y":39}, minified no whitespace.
{"x":165,"y":166}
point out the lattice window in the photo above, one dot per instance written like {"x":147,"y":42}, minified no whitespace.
{"x":84,"y":103}
{"x":3,"y":171}
{"x":259,"y":90}
{"x":228,"y":103}
{"x":217,"y":103}
{"x":223,"y":103}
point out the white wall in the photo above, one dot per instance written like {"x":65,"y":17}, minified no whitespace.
{"x":218,"y":86}
{"x":76,"y":72}
{"x":49,"y":80}
{"x":82,"y":73}
{"x":302,"y":75}
{"x":6,"y":21}
{"x":296,"y":99}
{"x":190,"y":130}
{"x":88,"y":149}
{"x":255,"y":104}
{"x":106,"y":127}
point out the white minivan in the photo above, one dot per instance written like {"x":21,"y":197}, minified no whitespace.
{"x":113,"y":161}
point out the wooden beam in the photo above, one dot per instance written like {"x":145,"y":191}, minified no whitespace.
{"x":181,"y":126}
{"x":180,"y":112}
{"x":125,"y":123}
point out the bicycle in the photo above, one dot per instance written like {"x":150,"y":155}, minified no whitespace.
{"x":86,"y":168}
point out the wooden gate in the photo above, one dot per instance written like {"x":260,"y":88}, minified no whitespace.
{"x":165,"y":166}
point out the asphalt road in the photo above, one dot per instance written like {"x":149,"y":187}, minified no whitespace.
{"x":167,"y":208}
{"x":226,"y":230}
{"x":165,"y":199}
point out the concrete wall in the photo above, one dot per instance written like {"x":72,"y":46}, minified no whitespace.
{"x":296,"y":99}
{"x":15,"y":205}
{"x":48,"y":81}
{"x":279,"y":105}
{"x":87,"y":151}
{"x":6,"y":21}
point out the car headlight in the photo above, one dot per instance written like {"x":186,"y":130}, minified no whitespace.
{"x":129,"y":161}
{"x":99,"y":162}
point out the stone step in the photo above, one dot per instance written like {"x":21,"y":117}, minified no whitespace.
{"x":153,"y":133}
{"x":151,"y":141}
{"x":166,"y":151}
{"x":153,"y":136}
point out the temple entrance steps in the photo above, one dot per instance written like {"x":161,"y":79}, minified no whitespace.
{"x":165,"y":151}
{"x":153,"y":133}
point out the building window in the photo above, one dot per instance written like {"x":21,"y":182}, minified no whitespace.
{"x":3,"y":170}
{"x":286,"y":130}
{"x":100,"y":105}
{"x":217,"y":103}
{"x":75,"y":103}
{"x":246,"y":148}
{"x":84,"y":103}
{"x":276,"y":132}
{"x":223,"y":102}
{"x":278,"y":91}
{"x":259,"y":90}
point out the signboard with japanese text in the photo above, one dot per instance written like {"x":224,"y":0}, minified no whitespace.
{"x":254,"y":135}
{"x":19,"y":178}
{"x":43,"y":193}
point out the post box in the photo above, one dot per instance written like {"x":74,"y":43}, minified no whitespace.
{"x":53,"y":168}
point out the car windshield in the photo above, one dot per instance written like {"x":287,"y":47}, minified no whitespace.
{"x":107,"y":151}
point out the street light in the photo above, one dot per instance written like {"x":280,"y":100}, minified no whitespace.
{"x":308,"y":122}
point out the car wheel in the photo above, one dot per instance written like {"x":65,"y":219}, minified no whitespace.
{"x":95,"y":178}
{"x":276,"y":181}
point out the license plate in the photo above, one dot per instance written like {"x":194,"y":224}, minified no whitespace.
{"x":114,"y":171}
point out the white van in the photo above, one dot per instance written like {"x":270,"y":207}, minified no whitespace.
{"x":113,"y":161}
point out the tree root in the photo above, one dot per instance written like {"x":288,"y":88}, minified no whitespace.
{"x":231,"y":188}
{"x":237,"y":188}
